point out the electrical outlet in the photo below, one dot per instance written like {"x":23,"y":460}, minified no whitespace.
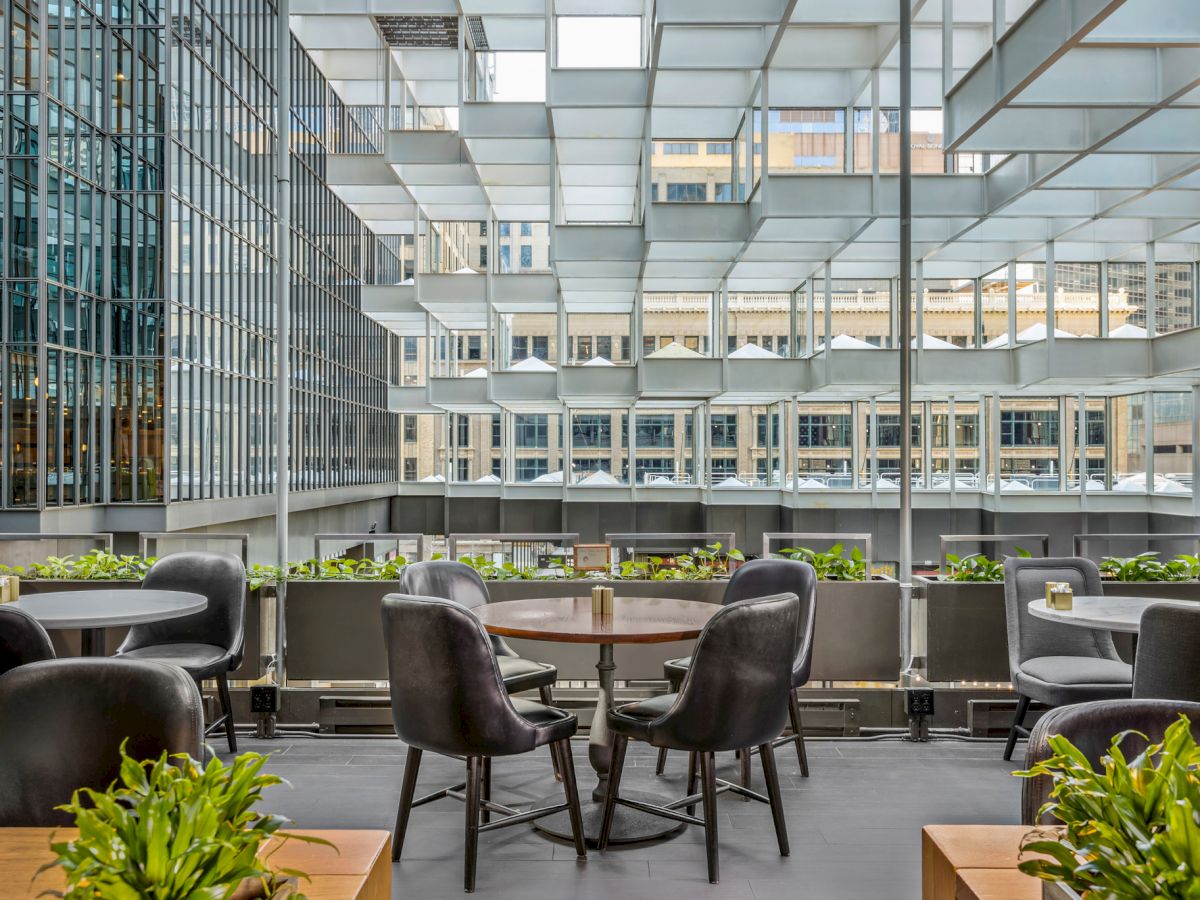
{"x":264,"y":698}
{"x":918,"y":701}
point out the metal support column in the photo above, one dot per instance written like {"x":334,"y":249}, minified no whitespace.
{"x":905,"y":532}
{"x":283,"y":283}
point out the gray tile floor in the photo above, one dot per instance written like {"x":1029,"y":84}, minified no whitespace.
{"x":854,"y":825}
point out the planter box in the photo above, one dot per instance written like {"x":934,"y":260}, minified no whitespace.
{"x":334,"y":630}
{"x":1164,"y":590}
{"x":967,"y":630}
{"x":857,"y":634}
{"x":66,"y":642}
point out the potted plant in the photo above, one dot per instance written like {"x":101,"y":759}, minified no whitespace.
{"x":1132,"y":829}
{"x":1147,"y":575}
{"x":966,"y":633}
{"x":175,"y":831}
{"x":858,"y":616}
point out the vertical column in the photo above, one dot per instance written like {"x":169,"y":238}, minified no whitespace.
{"x":919,"y":290}
{"x":1064,"y":453}
{"x":1051,"y":286}
{"x":1151,"y":289}
{"x":951,"y":445}
{"x":947,"y":72}
{"x":283,"y":280}
{"x":1102,"y":293}
{"x":994,"y":429}
{"x":1148,"y":439}
{"x":926,"y":426}
{"x":1012,"y":303}
{"x":810,"y":316}
{"x":977,"y":311}
{"x":1196,"y":449}
{"x":1081,"y":443}
{"x":905,"y":573}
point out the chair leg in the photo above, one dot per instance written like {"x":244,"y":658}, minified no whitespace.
{"x":411,"y":767}
{"x":227,"y":710}
{"x":661,"y":765}
{"x":474,"y":785}
{"x":771,"y":775}
{"x":547,"y":699}
{"x":620,"y":742}
{"x":1018,"y":720}
{"x":708,"y":785}
{"x":798,"y":730}
{"x":566,"y":763}
{"x":485,"y":789}
{"x":693,"y":774}
{"x":747,"y":777}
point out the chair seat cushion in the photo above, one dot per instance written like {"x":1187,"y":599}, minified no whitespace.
{"x":198,"y":660}
{"x":675,"y":669}
{"x":1059,"y":680}
{"x":633,"y":719}
{"x":551,"y":723}
{"x":522,"y":674}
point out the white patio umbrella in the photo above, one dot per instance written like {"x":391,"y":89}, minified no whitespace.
{"x":549,"y":478}
{"x":434,"y":478}
{"x":487,"y":479}
{"x":1035,"y":332}
{"x":1129,"y":330}
{"x":1015,"y":487}
{"x":845,"y":342}
{"x":466,"y":270}
{"x":477,"y":373}
{"x":598,"y":361}
{"x":753,"y":351}
{"x":531,"y":364}
{"x":934,"y":343}
{"x":674,"y":350}
{"x":599,"y":477}
{"x":731,"y":482}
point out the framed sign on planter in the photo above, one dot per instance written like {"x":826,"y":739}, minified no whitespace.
{"x":593,"y":557}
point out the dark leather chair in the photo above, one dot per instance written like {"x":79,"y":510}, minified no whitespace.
{"x":207,"y":644}
{"x":733,"y":696}
{"x":1051,"y":662}
{"x":761,"y":578}
{"x":448,"y":697}
{"x":1168,"y":654}
{"x":22,"y":639}
{"x":1091,"y":727}
{"x":64,"y":721}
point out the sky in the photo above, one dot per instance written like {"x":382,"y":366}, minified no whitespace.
{"x":584,"y":42}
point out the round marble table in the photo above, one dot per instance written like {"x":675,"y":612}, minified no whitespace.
{"x":635,"y":620}
{"x":93,"y":611}
{"x":1108,"y":613}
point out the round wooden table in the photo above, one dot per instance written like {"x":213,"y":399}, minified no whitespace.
{"x":635,"y":620}
{"x":1107,"y":613}
{"x":93,"y":611}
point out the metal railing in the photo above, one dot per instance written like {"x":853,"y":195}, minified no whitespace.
{"x":104,"y":538}
{"x":421,"y":540}
{"x":948,"y":539}
{"x":832,"y":537}
{"x":148,"y":540}
{"x":687,"y":541}
{"x":520,"y":549}
{"x":1080,"y":541}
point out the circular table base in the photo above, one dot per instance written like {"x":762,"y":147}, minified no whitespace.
{"x":629,"y":825}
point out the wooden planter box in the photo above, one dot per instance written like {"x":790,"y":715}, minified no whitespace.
{"x":334,"y":630}
{"x":66,"y":642}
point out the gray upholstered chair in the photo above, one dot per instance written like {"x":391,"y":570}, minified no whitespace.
{"x":1091,"y":727}
{"x":733,"y":696}
{"x":207,"y":644}
{"x":22,"y":639}
{"x":1168,"y":654}
{"x":1052,"y":662}
{"x":762,"y":578}
{"x":448,"y":697}
{"x":64,"y":722}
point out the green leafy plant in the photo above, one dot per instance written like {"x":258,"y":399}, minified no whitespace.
{"x":833,"y":564}
{"x":173,"y":832}
{"x":976,"y":567}
{"x":1132,"y":829}
{"x":702,"y":564}
{"x":1148,"y":567}
{"x":99,"y":565}
{"x":340,"y":569}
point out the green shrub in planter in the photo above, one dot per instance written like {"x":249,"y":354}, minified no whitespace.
{"x":175,"y":832}
{"x":833,"y":564}
{"x":99,"y":565}
{"x":1148,"y":567}
{"x":1132,"y":829}
{"x":975,"y":567}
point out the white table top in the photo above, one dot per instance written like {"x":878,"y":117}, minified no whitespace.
{"x":1108,"y":613}
{"x":103,"y":608}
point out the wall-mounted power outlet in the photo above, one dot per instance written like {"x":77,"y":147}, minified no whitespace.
{"x":918,"y":701}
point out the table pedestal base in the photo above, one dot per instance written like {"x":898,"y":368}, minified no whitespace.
{"x":629,"y":825}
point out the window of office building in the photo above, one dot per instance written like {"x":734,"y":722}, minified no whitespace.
{"x":676,"y":325}
{"x":664,"y":446}
{"x":806,"y":140}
